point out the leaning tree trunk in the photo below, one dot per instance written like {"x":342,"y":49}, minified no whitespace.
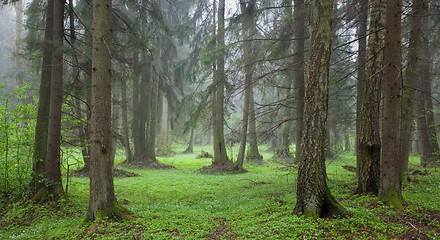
{"x":298,"y":72}
{"x":391,"y":169}
{"x":369,"y":145}
{"x":409,"y":86}
{"x":313,"y":195}
{"x":42,"y":124}
{"x":102,"y":201}
{"x":53,"y":166}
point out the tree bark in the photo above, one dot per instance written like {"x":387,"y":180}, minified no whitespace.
{"x":102,"y":202}
{"x":391,"y":167}
{"x":410,"y":83}
{"x":253,"y":154}
{"x":298,"y":71}
{"x":53,"y":166}
{"x":313,"y":195}
{"x":136,"y":130}
{"x":125,"y":127}
{"x":42,"y":124}
{"x":361,"y":64}
{"x":163,"y":146}
{"x":369,"y":144}
{"x":19,"y":72}
{"x":220,"y":154}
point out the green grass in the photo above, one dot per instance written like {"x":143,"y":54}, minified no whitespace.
{"x":184,"y":204}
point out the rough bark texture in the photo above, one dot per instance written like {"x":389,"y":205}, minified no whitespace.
{"x":410,"y":83}
{"x":361,"y":65}
{"x":298,"y":71}
{"x":391,"y":169}
{"x":369,"y":145}
{"x":313,"y":195}
{"x":102,"y":202}
{"x":42,"y":124}
{"x":422,"y":127}
{"x":53,"y":167}
{"x":136,"y":131}
{"x":220,"y":155}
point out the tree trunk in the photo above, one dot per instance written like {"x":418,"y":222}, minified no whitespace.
{"x":369,"y":144}
{"x":125,"y":127}
{"x":163,"y":146}
{"x":19,"y":72}
{"x":248,"y":13}
{"x":422,"y":127}
{"x":298,"y":72}
{"x":410,"y":83}
{"x":53,"y":167}
{"x":190,"y":148}
{"x":361,"y":64}
{"x":42,"y":124}
{"x":391,"y":168}
{"x":253,"y":154}
{"x":220,"y":155}
{"x":136,"y":130}
{"x":313,"y":195}
{"x":102,"y":201}
{"x":151,"y":146}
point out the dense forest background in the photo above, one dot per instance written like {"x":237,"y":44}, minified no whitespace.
{"x":300,"y":83}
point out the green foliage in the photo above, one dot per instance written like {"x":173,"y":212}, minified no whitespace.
{"x":17,"y":124}
{"x":182,"y":203}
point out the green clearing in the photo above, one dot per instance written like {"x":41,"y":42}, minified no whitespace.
{"x":184,"y":204}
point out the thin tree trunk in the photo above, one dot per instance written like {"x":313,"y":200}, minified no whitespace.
{"x":313,"y":195}
{"x":361,"y":64}
{"x":53,"y":167}
{"x":190,"y":148}
{"x":163,"y":146}
{"x":391,"y":167}
{"x":253,"y":154}
{"x":125,"y":127}
{"x":369,"y":144}
{"x":298,"y":72}
{"x":136,"y":114}
{"x":18,"y":6}
{"x":151,"y":147}
{"x":410,"y":83}
{"x":42,"y":124}
{"x":422,"y":127}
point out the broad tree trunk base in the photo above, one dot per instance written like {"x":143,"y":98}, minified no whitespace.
{"x":393,"y":199}
{"x":328,"y":208}
{"x":45,"y":194}
{"x":115,"y":212}
{"x":145,"y":162}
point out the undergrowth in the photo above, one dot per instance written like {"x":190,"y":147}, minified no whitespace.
{"x":183,"y":203}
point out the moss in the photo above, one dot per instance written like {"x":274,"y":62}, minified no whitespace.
{"x":393,"y":199}
{"x":41,"y":196}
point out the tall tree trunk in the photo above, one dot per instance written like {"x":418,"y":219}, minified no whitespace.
{"x":422,"y":126}
{"x":53,"y":167}
{"x":313,"y":195}
{"x":102,"y":201}
{"x":410,"y":83}
{"x":163,"y":146}
{"x":361,"y":65}
{"x":391,"y":167}
{"x":42,"y":124}
{"x":125,"y":127}
{"x":369,"y":144}
{"x":154,"y":112}
{"x":298,"y":71}
{"x":220,"y":155}
{"x":247,"y":11}
{"x":136,"y":131}
{"x":18,"y":6}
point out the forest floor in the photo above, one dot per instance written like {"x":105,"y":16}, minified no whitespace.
{"x":182,"y":203}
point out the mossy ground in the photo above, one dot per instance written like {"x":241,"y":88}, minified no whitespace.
{"x":183,"y":203}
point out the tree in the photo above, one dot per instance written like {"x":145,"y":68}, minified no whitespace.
{"x":298,"y":72}
{"x":53,"y":166}
{"x":313,"y":195}
{"x":369,"y":145}
{"x":102,"y":201}
{"x":220,"y":155}
{"x":410,"y":83}
{"x":248,"y":12}
{"x":42,"y":125}
{"x":391,"y":167}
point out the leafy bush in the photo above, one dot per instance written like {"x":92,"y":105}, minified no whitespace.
{"x":17,"y":124}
